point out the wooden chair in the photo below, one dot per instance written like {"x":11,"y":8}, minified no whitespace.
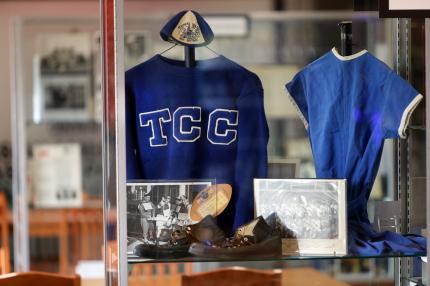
{"x":160,"y":274}
{"x":235,"y":276}
{"x":4,"y":261}
{"x":4,"y":229}
{"x":52,"y":223}
{"x":86,"y":232}
{"x":39,"y":278}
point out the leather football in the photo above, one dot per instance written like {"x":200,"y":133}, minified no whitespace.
{"x":210,"y":201}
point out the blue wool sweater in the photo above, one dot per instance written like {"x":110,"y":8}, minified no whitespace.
{"x":205,"y":122}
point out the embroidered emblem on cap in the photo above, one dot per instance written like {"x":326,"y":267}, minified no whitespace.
{"x":188,"y":30}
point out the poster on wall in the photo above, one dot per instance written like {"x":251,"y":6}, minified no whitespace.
{"x":62,"y":77}
{"x":56,"y":176}
{"x":404,"y":9}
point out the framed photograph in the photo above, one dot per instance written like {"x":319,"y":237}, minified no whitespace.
{"x":65,"y":98}
{"x":62,"y":78}
{"x":156,"y":209}
{"x":311,"y":214}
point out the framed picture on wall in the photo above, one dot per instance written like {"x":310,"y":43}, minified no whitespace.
{"x":63,"y":78}
{"x":65,"y":98}
{"x":137,"y":47}
{"x":310,"y":213}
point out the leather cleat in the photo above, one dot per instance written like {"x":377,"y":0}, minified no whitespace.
{"x":253,"y":240}
{"x":206,"y":231}
{"x":275,"y":222}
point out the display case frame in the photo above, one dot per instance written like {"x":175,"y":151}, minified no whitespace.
{"x":427,"y":76}
{"x":113,"y":124}
{"x":402,"y":271}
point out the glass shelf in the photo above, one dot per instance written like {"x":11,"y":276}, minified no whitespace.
{"x":136,"y":260}
{"x":417,"y":127}
{"x":416,"y":280}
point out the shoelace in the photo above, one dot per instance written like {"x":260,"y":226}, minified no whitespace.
{"x":180,"y":236}
{"x":233,"y":242}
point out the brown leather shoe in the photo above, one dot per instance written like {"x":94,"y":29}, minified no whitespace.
{"x":206,"y":231}
{"x":252,"y":240}
{"x":277,"y":225}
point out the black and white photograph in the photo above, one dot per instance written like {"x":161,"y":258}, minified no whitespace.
{"x":156,"y":210}
{"x":136,"y":47}
{"x":64,"y":52}
{"x":309,"y":210}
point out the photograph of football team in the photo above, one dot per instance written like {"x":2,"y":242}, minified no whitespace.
{"x":307,"y":210}
{"x":155,"y":210}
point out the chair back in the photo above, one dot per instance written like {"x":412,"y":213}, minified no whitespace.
{"x":4,"y":261}
{"x":39,"y":278}
{"x":4,"y":235}
{"x":160,"y":274}
{"x":161,"y":269}
{"x":86,"y":225}
{"x":235,"y":276}
{"x":45,"y":223}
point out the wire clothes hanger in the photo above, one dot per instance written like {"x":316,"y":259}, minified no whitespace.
{"x":212,"y":51}
{"x":174,"y":45}
{"x":168,"y":49}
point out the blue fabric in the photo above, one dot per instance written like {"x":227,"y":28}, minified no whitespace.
{"x":350,"y":107}
{"x":205,"y":29}
{"x":206,"y":122}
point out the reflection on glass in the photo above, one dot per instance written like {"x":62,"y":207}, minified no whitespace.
{"x":63,"y":143}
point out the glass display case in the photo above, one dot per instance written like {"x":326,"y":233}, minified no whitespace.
{"x":70,"y":127}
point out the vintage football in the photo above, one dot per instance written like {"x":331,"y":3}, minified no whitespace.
{"x":211,"y":201}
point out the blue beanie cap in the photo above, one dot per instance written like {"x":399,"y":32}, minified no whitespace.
{"x":187,"y":28}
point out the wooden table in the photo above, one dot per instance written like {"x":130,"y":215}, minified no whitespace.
{"x":79,"y":231}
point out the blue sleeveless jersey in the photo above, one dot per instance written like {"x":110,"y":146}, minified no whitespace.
{"x":349,"y":105}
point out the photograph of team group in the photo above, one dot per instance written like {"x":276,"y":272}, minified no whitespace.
{"x":155,"y":210}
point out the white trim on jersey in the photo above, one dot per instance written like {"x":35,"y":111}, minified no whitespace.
{"x":181,"y":117}
{"x":406,"y":116}
{"x":151,"y":123}
{"x":293,"y":102}
{"x":347,"y":58}
{"x":226,"y":131}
